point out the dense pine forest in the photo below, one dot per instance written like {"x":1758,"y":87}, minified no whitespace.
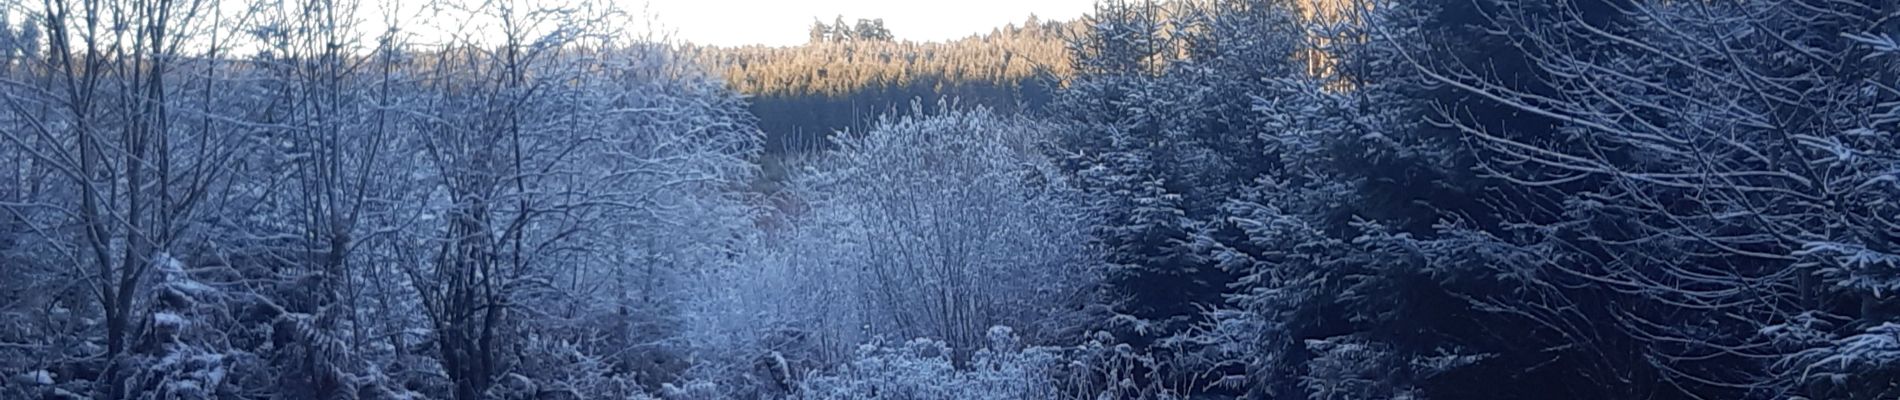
{"x":849,"y":75}
{"x":1192,"y":199}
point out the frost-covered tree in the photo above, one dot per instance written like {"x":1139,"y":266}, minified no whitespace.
{"x":1357,"y":232}
{"x":1161,"y":130}
{"x":925,"y":227}
{"x":119,"y":176}
{"x":356,"y":214}
{"x":565,"y":166}
{"x":1153,"y":274}
{"x":948,"y":206}
{"x":1722,"y":174}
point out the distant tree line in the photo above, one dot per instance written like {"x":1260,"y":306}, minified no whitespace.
{"x":849,"y":74}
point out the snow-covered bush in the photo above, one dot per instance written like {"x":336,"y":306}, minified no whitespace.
{"x":933,"y":226}
{"x":957,"y":222}
{"x":923,"y":369}
{"x":185,"y":354}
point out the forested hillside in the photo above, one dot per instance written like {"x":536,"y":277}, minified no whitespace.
{"x":850,"y":74}
{"x":1246,"y":199}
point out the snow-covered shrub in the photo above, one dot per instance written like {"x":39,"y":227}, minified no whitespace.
{"x":553,"y":369}
{"x":1003,"y":370}
{"x":183,"y":355}
{"x":932,"y":226}
{"x":956,"y":222}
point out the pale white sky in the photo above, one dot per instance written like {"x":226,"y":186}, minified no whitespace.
{"x":788,"y":22}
